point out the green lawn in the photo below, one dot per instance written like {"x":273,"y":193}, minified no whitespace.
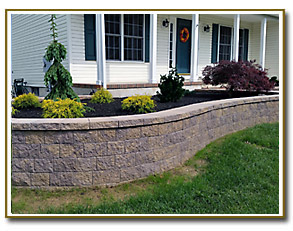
{"x":237,"y":174}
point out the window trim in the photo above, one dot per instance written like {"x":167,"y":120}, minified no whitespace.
{"x":232,"y":37}
{"x":122,"y":44}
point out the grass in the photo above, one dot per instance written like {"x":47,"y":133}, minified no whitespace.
{"x":237,"y":174}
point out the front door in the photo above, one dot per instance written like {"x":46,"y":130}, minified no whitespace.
{"x":183,"y":46}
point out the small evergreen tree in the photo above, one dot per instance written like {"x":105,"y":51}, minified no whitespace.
{"x":57,"y":75}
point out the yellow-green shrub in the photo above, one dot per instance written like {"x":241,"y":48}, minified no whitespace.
{"x":102,"y":96}
{"x":26,"y":101}
{"x":13,"y":111}
{"x":66,"y":108}
{"x":138,"y":104}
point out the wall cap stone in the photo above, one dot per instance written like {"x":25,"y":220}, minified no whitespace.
{"x":170,"y":115}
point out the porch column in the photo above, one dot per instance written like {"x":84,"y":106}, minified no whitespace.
{"x":194,"y":48}
{"x":263,"y":36}
{"x":236,"y":37}
{"x":153,"y":47}
{"x":100,"y":46}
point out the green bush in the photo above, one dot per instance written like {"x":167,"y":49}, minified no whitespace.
{"x":66,"y":108}
{"x":13,"y":111}
{"x":26,"y":101}
{"x":57,"y":76}
{"x":171,"y":87}
{"x":138,"y":104}
{"x":102,"y":96}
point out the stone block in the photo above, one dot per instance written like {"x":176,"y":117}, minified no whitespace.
{"x":65,"y":165}
{"x":43,"y":165}
{"x":22,"y":165}
{"x":17,"y":137}
{"x":146,"y":169}
{"x":128,"y":174}
{"x":115,"y":147}
{"x":166,"y":128}
{"x":89,"y":136}
{"x":62,"y":179}
{"x":25,"y":150}
{"x":102,"y":122}
{"x":106,"y":135}
{"x":106,"y":177}
{"x":40,"y":179}
{"x":128,"y":133}
{"x":137,"y":145}
{"x":82,"y":178}
{"x":71,"y":150}
{"x":34,"y":137}
{"x":144,"y":157}
{"x":125,"y":160}
{"x":59,"y":137}
{"x":48,"y":151}
{"x":149,"y":131}
{"x":106,"y":162}
{"x":74,"y":124}
{"x":20,"y":179}
{"x":86,"y":164}
{"x":95,"y":149}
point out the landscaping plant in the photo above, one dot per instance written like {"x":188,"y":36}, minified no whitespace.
{"x":26,"y":101}
{"x":241,"y":75}
{"x":138,"y":104}
{"x":102,"y":96}
{"x":57,"y":75}
{"x":66,"y":108}
{"x":171,"y":87}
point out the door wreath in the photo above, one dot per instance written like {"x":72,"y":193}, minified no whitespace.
{"x":182,"y":37}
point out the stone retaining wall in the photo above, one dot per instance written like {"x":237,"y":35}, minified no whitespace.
{"x":112,"y":150}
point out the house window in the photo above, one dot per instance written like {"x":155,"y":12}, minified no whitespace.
{"x":127,"y":37}
{"x":133,"y":37}
{"x":113,"y":36}
{"x":225,"y":43}
{"x":171,"y":46}
{"x":222,"y":38}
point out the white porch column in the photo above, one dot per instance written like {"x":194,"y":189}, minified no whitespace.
{"x":153,"y":47}
{"x":100,"y":54}
{"x":194,"y":48}
{"x":236,"y":37}
{"x":263,"y":35}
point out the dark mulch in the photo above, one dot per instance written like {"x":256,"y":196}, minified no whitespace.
{"x":114,"y":108}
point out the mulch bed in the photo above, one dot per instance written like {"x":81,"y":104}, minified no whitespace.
{"x":114,"y":108}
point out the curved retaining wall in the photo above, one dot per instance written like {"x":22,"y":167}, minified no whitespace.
{"x":112,"y":150}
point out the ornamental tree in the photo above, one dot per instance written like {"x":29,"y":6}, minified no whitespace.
{"x":57,"y":75}
{"x":241,"y":75}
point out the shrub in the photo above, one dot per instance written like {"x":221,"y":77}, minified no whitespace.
{"x":66,"y":108}
{"x":102,"y":96}
{"x":13,"y":111}
{"x":138,"y":104}
{"x":275,"y":81}
{"x":242,"y":75}
{"x":57,"y":76}
{"x":171,"y":87}
{"x":26,"y":101}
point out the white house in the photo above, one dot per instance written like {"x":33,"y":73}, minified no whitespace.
{"x":131,"y":51}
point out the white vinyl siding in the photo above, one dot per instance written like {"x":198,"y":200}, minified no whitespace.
{"x":117,"y":72}
{"x":30,"y":36}
{"x":272,"y":48}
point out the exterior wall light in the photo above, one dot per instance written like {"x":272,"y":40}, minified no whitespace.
{"x":206,"y":28}
{"x":165,"y":23}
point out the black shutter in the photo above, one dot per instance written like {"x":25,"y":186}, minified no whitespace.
{"x":147,"y":38}
{"x":245,"y":37}
{"x":90,"y":36}
{"x":215,"y":43}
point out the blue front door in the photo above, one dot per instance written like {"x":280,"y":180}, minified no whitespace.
{"x":183,"y":46}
